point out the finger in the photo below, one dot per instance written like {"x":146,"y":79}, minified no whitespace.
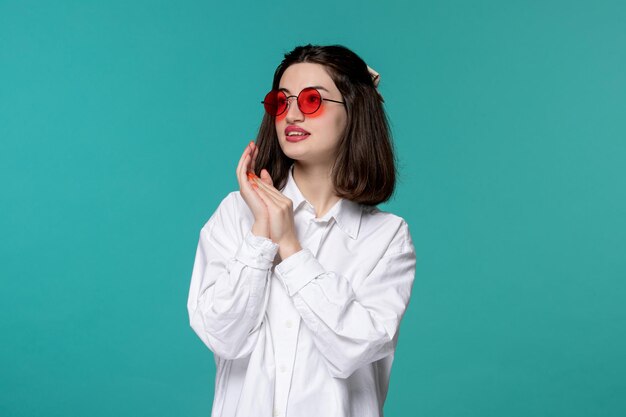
{"x":248,"y":188}
{"x":269,"y":201}
{"x":270,"y":189}
{"x":262,"y":187}
{"x":258,"y":194}
{"x":243,"y":165}
{"x":266,"y":177}
{"x":251,"y":162}
{"x":252,"y":177}
{"x":240,"y":165}
{"x":242,"y":173}
{"x":240,"y":170}
{"x":254,"y":181}
{"x":255,"y":153}
{"x":245,"y":172}
{"x":276,"y":201}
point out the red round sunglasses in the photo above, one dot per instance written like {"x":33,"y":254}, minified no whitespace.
{"x":309,"y":100}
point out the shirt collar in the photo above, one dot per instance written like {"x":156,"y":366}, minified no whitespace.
{"x":347,"y":214}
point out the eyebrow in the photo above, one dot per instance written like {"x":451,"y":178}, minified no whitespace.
{"x":319,"y":87}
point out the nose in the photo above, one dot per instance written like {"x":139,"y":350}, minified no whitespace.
{"x":293,"y":111}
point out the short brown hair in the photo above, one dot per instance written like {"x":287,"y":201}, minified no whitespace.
{"x":365,"y":169}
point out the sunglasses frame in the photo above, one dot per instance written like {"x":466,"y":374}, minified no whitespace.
{"x":298,"y":103}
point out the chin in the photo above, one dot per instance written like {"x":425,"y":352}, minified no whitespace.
{"x":296,"y":156}
{"x":300,"y":155}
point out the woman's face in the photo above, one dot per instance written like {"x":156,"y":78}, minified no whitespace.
{"x":324,"y":127}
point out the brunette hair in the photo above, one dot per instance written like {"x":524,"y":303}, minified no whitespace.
{"x":365,"y":169}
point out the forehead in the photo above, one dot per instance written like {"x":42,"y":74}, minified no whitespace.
{"x":305,"y":74}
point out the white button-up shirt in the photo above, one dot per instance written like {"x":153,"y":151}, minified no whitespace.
{"x":315,"y":334}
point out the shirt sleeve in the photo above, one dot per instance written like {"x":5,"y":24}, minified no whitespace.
{"x":229,"y":287}
{"x":352,"y":326}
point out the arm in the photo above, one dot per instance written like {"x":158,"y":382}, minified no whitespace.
{"x":229,"y":284}
{"x":352,"y":326}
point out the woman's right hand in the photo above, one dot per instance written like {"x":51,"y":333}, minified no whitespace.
{"x":257,"y":205}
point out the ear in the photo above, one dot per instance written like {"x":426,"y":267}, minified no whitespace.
{"x":265,"y":177}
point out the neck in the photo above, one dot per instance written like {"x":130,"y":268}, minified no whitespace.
{"x":316,"y":185}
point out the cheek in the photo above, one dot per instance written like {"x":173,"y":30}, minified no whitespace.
{"x":317,"y":113}
{"x":279,"y":124}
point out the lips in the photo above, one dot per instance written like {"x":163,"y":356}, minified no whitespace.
{"x":301,"y":134}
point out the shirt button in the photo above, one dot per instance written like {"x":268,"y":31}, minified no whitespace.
{"x":276,"y":412}
{"x":289,"y":324}
{"x":283,"y":368}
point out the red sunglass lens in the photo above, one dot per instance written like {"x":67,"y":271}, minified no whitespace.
{"x":309,"y":100}
{"x":275,"y":102}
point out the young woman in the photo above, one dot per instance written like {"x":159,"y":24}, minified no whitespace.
{"x":300,"y":282}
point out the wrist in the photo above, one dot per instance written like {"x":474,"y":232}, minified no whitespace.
{"x":261,"y":229}
{"x":288,"y":248}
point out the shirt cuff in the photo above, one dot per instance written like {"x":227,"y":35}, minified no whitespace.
{"x":257,"y":251}
{"x":298,"y":270}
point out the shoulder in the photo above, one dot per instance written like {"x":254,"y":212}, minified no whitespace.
{"x":227,"y":226}
{"x":387,"y":226}
{"x":232,"y":201}
{"x":230,"y":211}
{"x":375,"y":217}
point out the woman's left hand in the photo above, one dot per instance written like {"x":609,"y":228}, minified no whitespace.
{"x":280,"y":208}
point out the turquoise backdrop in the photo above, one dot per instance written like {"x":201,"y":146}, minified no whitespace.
{"x":121,"y":124}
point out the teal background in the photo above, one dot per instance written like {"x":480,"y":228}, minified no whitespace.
{"x":121,"y":124}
